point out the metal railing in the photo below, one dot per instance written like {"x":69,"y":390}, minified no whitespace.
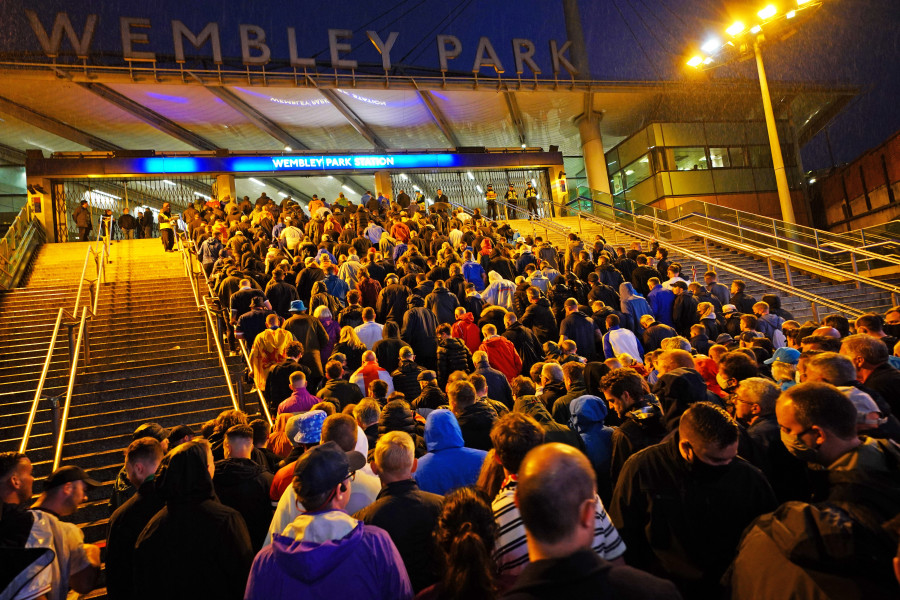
{"x":635,"y":231}
{"x":744,"y":234}
{"x":204,"y":296}
{"x":17,"y":245}
{"x":81,"y":341}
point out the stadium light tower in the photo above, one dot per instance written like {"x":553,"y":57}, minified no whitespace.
{"x":772,"y":22}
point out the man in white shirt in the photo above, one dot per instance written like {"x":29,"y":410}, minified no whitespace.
{"x":370,"y":331}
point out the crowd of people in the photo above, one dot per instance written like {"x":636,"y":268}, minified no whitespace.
{"x":464,"y":412}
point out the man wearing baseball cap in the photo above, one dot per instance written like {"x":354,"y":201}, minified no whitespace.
{"x":339,"y":556}
{"x":77,"y":565}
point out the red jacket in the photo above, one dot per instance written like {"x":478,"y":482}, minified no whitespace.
{"x":503,"y":356}
{"x":368,"y":289}
{"x":466,"y":330}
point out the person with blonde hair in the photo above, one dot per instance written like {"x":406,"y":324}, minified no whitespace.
{"x":408,"y":514}
{"x":351,"y":346}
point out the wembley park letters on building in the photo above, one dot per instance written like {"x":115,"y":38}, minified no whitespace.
{"x":135,"y":34}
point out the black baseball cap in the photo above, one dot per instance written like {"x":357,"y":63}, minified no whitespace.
{"x":322,"y":467}
{"x":68,"y":474}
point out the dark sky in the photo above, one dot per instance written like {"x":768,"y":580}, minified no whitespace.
{"x":853,"y":42}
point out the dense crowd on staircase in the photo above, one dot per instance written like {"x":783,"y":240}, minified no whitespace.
{"x":462,"y":411}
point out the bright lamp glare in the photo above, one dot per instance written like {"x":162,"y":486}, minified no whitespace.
{"x":348,"y":188}
{"x":755,"y":29}
{"x":711,"y":46}
{"x":707,"y":60}
{"x":802,"y":2}
{"x":695,"y":61}
{"x":735,"y":29}
{"x":768,"y":12}
{"x":791,"y":14}
{"x":257,"y":182}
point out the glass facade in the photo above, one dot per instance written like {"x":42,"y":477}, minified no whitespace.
{"x":697,"y":159}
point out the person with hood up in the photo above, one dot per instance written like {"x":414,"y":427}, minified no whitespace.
{"x":243,"y":485}
{"x":500,"y":291}
{"x":442,"y":303}
{"x":679,"y":385}
{"x":326,"y":552}
{"x":448,"y":464}
{"x":398,"y":416}
{"x":465,"y":329}
{"x":419,"y":325}
{"x":195,"y":545}
{"x":539,"y":317}
{"x":634,"y":306}
{"x":587,"y":415}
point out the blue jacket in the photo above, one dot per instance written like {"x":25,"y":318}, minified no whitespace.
{"x":588,"y":413}
{"x":448,"y":464}
{"x":661,"y":301}
{"x":337,"y":287}
{"x":474,"y":272}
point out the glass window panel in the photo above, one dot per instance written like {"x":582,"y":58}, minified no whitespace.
{"x":737,"y":156}
{"x":637,"y":171}
{"x":686,"y":159}
{"x":760,"y":156}
{"x":718,"y":158}
{"x":617,"y":183}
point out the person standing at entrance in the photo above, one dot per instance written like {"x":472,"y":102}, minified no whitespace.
{"x":531,"y":201}
{"x":127,"y":225}
{"x":147,"y":224}
{"x":166,"y":227}
{"x":512,"y":201}
{"x":490,"y":196}
{"x":82,"y":217}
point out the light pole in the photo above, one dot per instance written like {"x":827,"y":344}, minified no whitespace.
{"x":745,"y":40}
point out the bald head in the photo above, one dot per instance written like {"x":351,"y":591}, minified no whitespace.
{"x":555,"y":481}
{"x":827,"y":332}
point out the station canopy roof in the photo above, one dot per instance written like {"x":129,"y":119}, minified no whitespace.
{"x":58,"y":108}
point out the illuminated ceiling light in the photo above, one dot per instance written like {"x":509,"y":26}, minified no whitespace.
{"x":711,"y":46}
{"x":695,"y":61}
{"x":167,"y":182}
{"x":791,"y":14}
{"x":802,"y":2}
{"x":533,"y":183}
{"x":404,"y":177}
{"x":203,"y":195}
{"x":257,"y":182}
{"x":470,"y":176}
{"x":282,"y":194}
{"x":735,"y":29}
{"x":480,"y":189}
{"x":768,"y":12}
{"x":330,"y":177}
{"x":288,"y":149}
{"x":755,"y":29}
{"x":348,"y":188}
{"x":813,"y":180}
{"x":107,"y":195}
{"x":629,"y":172}
{"x":523,"y":146}
{"x":707,"y":60}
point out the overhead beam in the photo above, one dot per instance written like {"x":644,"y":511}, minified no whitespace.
{"x":358,"y":124}
{"x":439,"y":119}
{"x":150,"y":117}
{"x":51,"y":125}
{"x":257,"y":118}
{"x":12,"y":155}
{"x":513,"y":106}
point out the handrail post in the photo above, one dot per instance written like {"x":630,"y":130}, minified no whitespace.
{"x":818,"y":249}
{"x":54,"y":419}
{"x":855,"y":268}
{"x":706,"y":250}
{"x":771,"y":269}
{"x":815,"y":312}
{"x":787,"y":272}
{"x":87,"y":343}
{"x":242,"y":402}
{"x":71,"y":338}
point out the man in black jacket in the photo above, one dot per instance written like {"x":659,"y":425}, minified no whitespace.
{"x":337,"y":390}
{"x":142,"y":458}
{"x":408,"y":514}
{"x":452,"y":355}
{"x":475,"y":418}
{"x":127,"y":225}
{"x":539,"y":317}
{"x":406,"y":375}
{"x":684,"y":310}
{"x":641,"y":275}
{"x":244,"y":485}
{"x":527,"y":344}
{"x":654,"y":333}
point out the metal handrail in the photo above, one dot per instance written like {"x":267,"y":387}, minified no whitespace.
{"x":772,"y":283}
{"x":222,"y":362}
{"x":73,"y":372}
{"x":262,"y":399}
{"x":40,"y":388}
{"x":788,"y":258}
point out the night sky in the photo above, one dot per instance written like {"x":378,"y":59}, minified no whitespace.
{"x":854,"y":42}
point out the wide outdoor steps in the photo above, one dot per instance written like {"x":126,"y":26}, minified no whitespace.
{"x":864,"y":299}
{"x":148,"y":361}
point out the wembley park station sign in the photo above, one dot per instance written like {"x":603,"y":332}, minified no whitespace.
{"x":275,"y":164}
{"x":137,"y":34}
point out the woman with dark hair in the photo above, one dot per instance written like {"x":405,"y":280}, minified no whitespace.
{"x":195,"y":546}
{"x":225,"y":420}
{"x":465,"y":538}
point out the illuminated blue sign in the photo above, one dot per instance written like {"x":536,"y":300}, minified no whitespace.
{"x":275,"y":164}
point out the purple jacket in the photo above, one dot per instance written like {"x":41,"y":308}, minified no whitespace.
{"x":363,"y":565}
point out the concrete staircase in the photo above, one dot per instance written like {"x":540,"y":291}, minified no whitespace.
{"x":863,"y":299}
{"x":149,"y":362}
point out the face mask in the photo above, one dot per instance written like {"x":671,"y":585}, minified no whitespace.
{"x":798,"y":447}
